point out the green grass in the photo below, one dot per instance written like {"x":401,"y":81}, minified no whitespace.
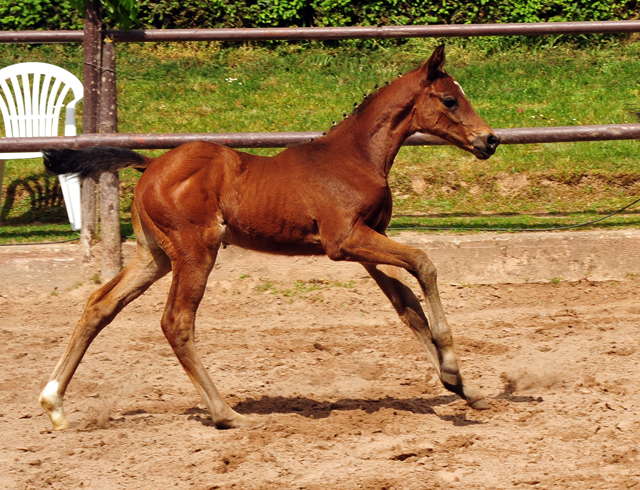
{"x":205,"y":87}
{"x":39,"y":232}
{"x":513,"y":222}
{"x":300,"y":288}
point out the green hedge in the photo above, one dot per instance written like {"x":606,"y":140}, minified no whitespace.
{"x":59,"y":14}
{"x":283,"y":13}
{"x":18,"y":15}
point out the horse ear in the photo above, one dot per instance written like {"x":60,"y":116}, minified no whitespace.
{"x":434,"y":65}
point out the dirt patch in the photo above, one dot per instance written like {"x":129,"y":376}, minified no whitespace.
{"x":431,"y":191}
{"x":347,"y":396}
{"x":509,"y":184}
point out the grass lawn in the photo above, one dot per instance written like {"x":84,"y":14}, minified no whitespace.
{"x":207,"y":87}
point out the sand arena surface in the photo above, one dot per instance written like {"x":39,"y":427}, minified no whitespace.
{"x":348,"y":398}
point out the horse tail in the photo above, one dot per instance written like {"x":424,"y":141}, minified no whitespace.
{"x":91,"y":162}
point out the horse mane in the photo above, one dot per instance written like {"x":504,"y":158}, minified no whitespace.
{"x":366,"y":101}
{"x":369,"y":98}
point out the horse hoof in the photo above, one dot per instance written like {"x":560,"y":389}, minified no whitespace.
{"x":51,"y":401}
{"x":474,"y":397}
{"x":481,"y":404}
{"x":240,"y":422}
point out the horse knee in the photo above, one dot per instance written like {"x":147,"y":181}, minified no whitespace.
{"x":426,"y":266}
{"x":424,"y":269}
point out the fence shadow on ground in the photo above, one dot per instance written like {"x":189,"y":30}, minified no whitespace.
{"x":34,"y":198}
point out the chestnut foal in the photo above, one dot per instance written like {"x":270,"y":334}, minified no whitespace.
{"x":328,"y":196}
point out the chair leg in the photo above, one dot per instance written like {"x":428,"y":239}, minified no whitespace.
{"x":1,"y":177}
{"x":70,"y":185}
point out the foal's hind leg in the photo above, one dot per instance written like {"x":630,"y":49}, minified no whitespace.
{"x":438,"y":345}
{"x":178,"y":324}
{"x":148,"y":265}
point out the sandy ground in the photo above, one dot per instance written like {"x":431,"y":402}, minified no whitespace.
{"x":348,"y":398}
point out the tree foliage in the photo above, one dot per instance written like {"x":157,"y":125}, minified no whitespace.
{"x":67,"y":14}
{"x":124,"y":13}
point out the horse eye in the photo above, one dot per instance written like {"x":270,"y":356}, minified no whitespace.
{"x":449,"y":102}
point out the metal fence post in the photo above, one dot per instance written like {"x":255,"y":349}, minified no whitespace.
{"x":91,"y":72}
{"x":109,"y":181}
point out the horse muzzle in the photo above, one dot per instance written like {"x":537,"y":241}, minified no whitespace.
{"x":484,"y":146}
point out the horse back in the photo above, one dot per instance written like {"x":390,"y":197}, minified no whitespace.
{"x":271,"y":204}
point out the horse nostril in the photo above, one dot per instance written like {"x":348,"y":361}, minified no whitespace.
{"x":493,"y":141}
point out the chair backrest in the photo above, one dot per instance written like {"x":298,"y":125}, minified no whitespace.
{"x":31,"y":97}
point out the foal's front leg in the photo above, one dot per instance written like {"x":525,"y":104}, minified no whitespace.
{"x":371,"y":248}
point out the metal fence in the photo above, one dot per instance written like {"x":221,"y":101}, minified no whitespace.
{"x":99,"y":113}
{"x":151,"y":141}
{"x":94,"y":72}
{"x":330,"y":33}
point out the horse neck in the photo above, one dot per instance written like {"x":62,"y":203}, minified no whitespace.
{"x":381,"y":124}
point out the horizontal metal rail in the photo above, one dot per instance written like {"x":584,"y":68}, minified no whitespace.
{"x":279,"y":140}
{"x":41,"y":37}
{"x":365,"y":32}
{"x":331,"y":33}
{"x":510,"y":136}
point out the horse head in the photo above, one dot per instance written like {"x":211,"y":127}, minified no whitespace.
{"x":442,"y":109}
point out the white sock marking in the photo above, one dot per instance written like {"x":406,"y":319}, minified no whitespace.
{"x":51,"y":390}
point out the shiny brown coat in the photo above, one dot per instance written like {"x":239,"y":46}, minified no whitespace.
{"x":329,"y":196}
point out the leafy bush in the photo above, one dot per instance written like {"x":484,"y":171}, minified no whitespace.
{"x":61,"y":14}
{"x":284,"y":13}
{"x":18,"y":15}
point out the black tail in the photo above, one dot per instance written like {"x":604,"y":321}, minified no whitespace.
{"x":91,"y":162}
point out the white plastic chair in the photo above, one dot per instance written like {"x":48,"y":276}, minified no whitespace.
{"x":31,"y":105}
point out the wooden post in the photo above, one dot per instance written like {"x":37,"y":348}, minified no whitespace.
{"x":109,"y":181}
{"x":91,"y":72}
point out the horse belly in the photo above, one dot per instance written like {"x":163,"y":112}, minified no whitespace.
{"x":275,"y":239}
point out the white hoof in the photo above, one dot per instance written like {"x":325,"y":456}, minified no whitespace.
{"x":51,"y":401}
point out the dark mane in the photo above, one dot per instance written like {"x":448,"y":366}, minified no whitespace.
{"x":369,"y":98}
{"x":366,"y":101}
